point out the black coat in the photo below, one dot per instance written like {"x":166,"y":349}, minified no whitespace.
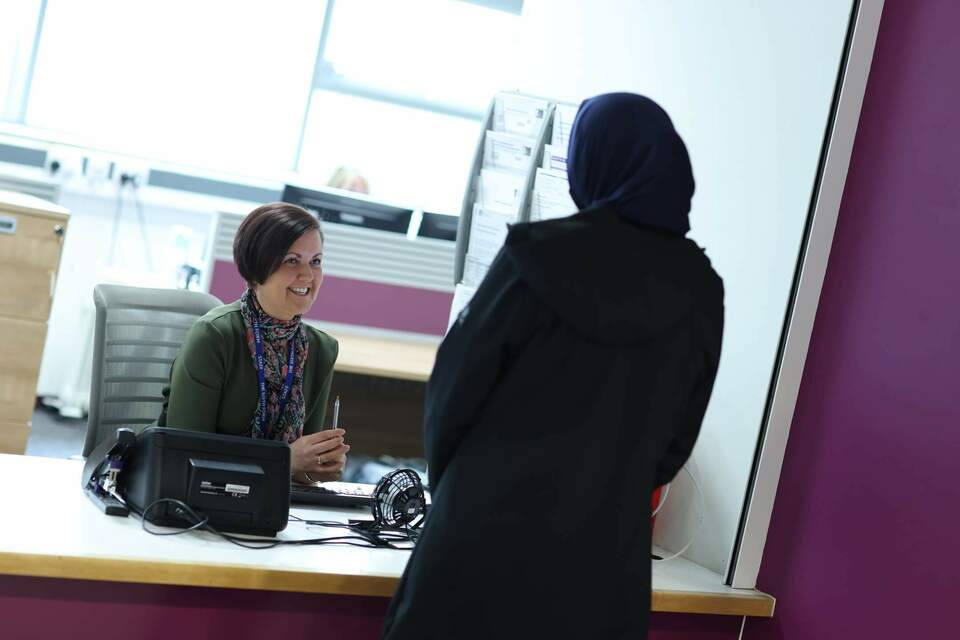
{"x":571,"y":386}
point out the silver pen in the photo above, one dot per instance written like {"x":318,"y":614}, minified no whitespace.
{"x":336,"y":412}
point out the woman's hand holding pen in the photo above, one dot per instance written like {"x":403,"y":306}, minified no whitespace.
{"x":319,"y":457}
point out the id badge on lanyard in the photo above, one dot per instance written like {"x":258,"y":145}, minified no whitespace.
{"x":262,"y":378}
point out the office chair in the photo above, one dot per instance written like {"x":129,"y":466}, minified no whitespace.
{"x":138,"y":333}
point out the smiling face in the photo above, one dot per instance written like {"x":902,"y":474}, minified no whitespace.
{"x":291,"y":289}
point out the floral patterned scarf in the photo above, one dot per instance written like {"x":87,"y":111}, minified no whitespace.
{"x":276,"y":335}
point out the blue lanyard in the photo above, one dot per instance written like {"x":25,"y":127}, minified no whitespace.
{"x":262,"y":378}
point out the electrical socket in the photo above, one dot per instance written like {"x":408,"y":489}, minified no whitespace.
{"x":67,"y":162}
{"x":64,"y":163}
{"x":131,"y":171}
{"x":100,"y":167}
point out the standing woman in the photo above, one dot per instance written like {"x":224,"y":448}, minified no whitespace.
{"x":215,"y":382}
{"x":573,"y":383}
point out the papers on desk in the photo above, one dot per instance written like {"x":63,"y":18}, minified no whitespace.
{"x":500,"y":191}
{"x":507,"y":151}
{"x":520,"y":115}
{"x":462,"y":295}
{"x":551,"y":196}
{"x":563,"y":116}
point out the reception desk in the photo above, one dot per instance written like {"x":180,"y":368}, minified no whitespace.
{"x":384,"y":357}
{"x":59,"y":553}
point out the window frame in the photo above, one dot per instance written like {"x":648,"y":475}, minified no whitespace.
{"x":20,"y":112}
{"x":326,"y":79}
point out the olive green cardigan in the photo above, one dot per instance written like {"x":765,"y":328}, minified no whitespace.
{"x":213,"y":383}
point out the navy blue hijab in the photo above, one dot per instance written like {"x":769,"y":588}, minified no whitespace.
{"x":625,"y":154}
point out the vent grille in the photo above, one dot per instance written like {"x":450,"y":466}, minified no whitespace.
{"x":366,"y":254}
{"x":46,"y":190}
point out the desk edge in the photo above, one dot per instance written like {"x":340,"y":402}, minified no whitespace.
{"x":381,"y":372}
{"x":194,"y":575}
{"x":749,"y":603}
{"x":755,"y":604}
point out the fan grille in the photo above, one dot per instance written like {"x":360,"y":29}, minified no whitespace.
{"x":398,"y":500}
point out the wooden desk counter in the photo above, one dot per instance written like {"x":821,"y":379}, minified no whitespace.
{"x":386,"y":357}
{"x":51,"y":530}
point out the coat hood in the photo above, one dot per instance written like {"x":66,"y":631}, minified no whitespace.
{"x":614,"y":281}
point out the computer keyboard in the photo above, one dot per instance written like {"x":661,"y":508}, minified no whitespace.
{"x":332,"y":494}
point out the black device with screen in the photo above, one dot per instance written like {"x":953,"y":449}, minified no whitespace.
{"x":441,"y":226}
{"x":239,"y":484}
{"x":333,"y":207}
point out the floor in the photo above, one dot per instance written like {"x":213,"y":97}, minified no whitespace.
{"x":53,"y":436}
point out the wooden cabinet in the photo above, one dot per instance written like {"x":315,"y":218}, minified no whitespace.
{"x":31,"y":238}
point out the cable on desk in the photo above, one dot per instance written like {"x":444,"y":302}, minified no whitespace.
{"x":362,"y":537}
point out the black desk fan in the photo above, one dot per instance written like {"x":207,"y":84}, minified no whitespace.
{"x":398,"y":501}
{"x":398,"y":506}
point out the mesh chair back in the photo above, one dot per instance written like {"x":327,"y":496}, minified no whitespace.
{"x":137,"y":335}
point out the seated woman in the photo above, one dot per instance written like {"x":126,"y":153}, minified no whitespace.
{"x":252,"y":368}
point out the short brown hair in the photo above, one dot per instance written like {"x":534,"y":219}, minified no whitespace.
{"x":266,"y":234}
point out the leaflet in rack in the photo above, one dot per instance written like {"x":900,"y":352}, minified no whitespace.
{"x":551,"y":190}
{"x":563,"y":116}
{"x":500,"y":194}
{"x":488,"y":230}
{"x":555,"y":158}
{"x":551,"y":196}
{"x":519,"y":114}
{"x":507,"y":152}
{"x":461,"y":298}
{"x":500,"y":191}
{"x":507,"y":160}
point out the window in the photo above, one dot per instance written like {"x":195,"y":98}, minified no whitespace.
{"x":394,"y":89}
{"x":18,"y":26}
{"x":220,"y":84}
{"x":400,"y":90}
{"x":448,"y":55}
{"x":408,"y":156}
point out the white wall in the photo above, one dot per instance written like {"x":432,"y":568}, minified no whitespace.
{"x":85,"y":262}
{"x":748,"y":85}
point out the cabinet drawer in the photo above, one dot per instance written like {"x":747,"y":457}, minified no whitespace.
{"x":20,"y":352}
{"x":29,"y":257}
{"x":13,"y":437}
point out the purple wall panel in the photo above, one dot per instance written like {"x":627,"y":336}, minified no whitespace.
{"x":675,"y":626}
{"x":862,"y":541}
{"x":42,"y":608}
{"x":358,"y":302}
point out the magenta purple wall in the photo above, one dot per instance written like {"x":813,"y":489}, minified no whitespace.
{"x":358,"y":302}
{"x":863,"y":538}
{"x":41,"y":608}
